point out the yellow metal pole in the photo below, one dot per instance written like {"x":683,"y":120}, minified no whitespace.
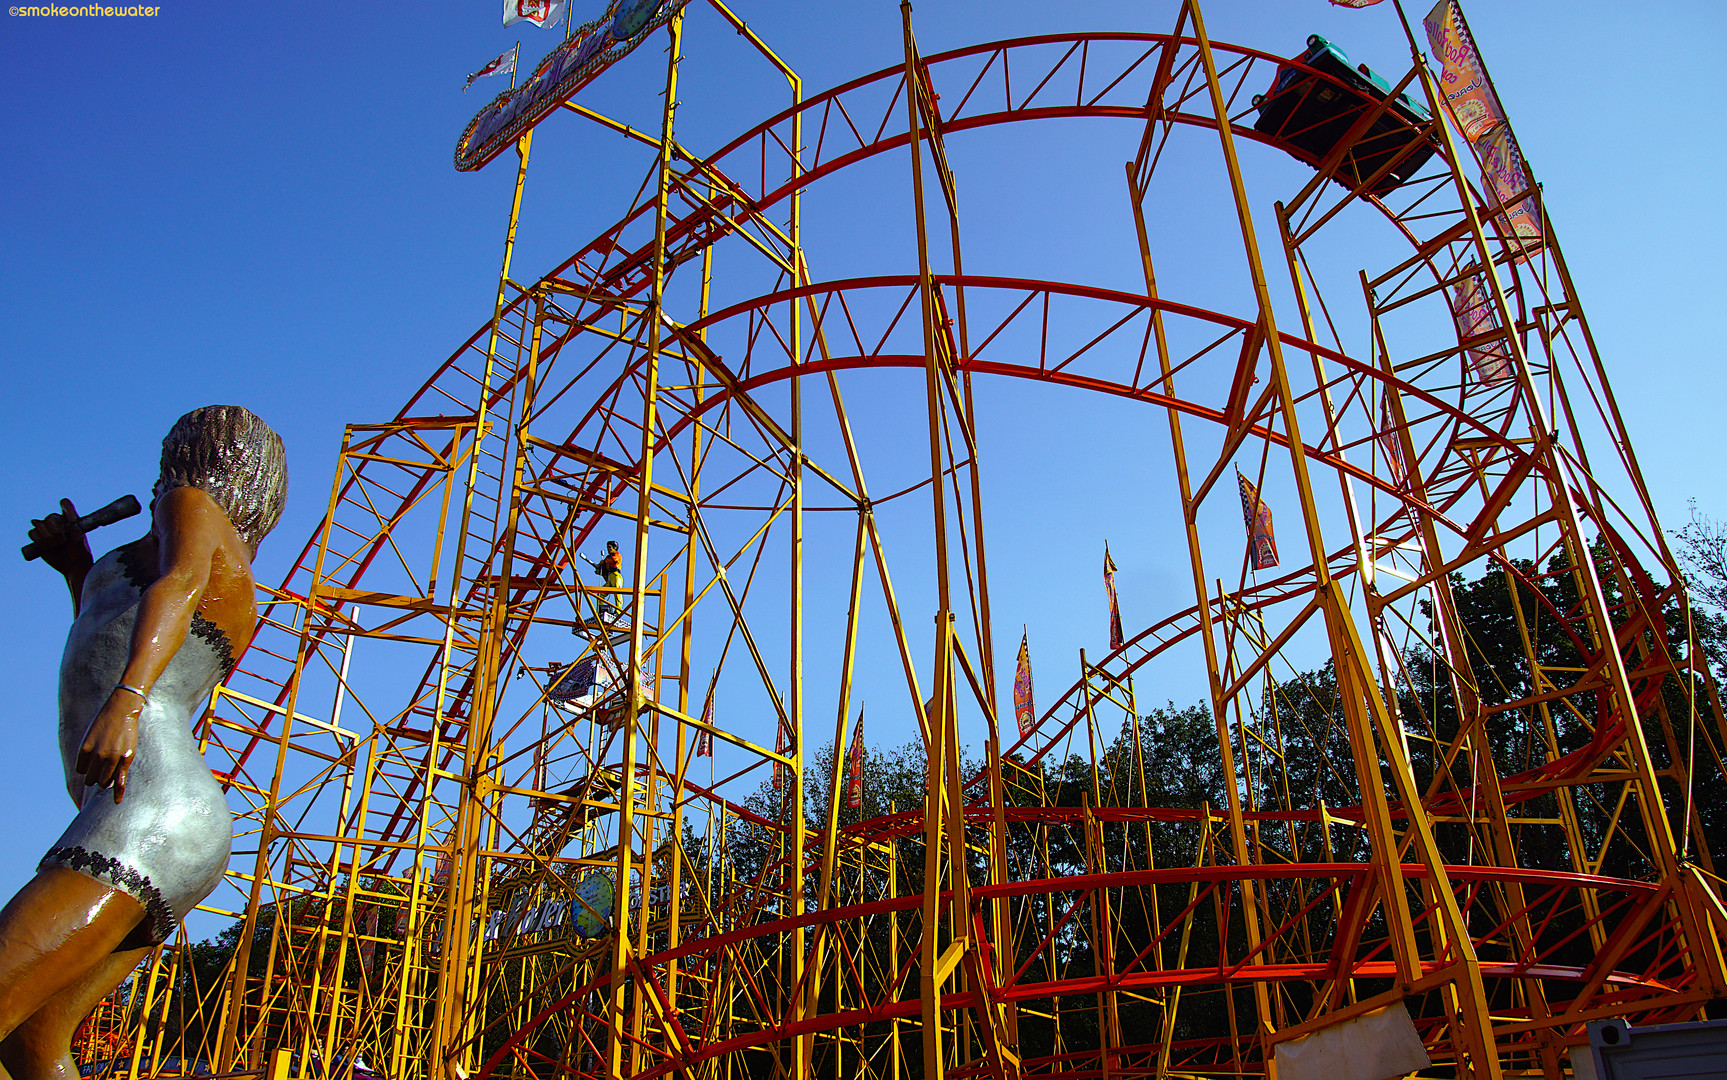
{"x":457,"y":973}
{"x":795,"y":1001}
{"x":1202,"y":592}
{"x":836,"y":773}
{"x":633,"y":690}
{"x":674,"y":928}
{"x":936,"y":962}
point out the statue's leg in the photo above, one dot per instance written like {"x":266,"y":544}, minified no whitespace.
{"x":41,"y":1047}
{"x":65,"y":941}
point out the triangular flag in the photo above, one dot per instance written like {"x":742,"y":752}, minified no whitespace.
{"x":1022,"y":710}
{"x":855,"y":767}
{"x":1115,"y":635}
{"x":1261,"y":541}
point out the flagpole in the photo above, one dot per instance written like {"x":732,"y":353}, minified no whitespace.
{"x":839,"y":774}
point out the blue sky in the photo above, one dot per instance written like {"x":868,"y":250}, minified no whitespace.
{"x":255,"y":204}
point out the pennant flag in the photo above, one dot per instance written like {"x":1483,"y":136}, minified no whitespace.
{"x":1473,"y":311}
{"x":539,"y":12}
{"x":1115,"y":636}
{"x":855,"y":767}
{"x":1261,"y":541}
{"x":782,"y":743}
{"x":1355,"y":3}
{"x":505,"y":64}
{"x":705,"y":739}
{"x":1022,"y":710}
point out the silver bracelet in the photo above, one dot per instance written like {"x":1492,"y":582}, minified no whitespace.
{"x":126,"y":686}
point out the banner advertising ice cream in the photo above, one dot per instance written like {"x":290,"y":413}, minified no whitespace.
{"x":1462,"y":79}
{"x":1476,"y":112}
{"x":1472,"y":309}
{"x":1503,"y":179}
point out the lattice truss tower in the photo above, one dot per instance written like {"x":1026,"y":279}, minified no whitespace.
{"x":1507,"y":854}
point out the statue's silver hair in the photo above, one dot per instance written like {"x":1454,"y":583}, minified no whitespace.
{"x":231,"y":455}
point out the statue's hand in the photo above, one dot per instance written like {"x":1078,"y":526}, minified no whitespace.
{"x":62,"y":545}
{"x":110,"y":741}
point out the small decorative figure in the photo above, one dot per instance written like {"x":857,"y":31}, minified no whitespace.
{"x":609,"y":570}
{"x":158,"y":625}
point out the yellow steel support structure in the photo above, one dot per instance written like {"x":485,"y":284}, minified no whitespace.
{"x":498,"y":818}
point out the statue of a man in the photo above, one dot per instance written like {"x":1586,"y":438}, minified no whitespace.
{"x":611,"y":568}
{"x":611,"y":571}
{"x":159,"y":623}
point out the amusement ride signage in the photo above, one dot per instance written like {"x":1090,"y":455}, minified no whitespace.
{"x":566,"y":69}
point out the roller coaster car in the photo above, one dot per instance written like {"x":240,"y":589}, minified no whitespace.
{"x":1308,"y":116}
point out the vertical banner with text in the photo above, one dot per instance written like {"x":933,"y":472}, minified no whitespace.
{"x":1476,"y":112}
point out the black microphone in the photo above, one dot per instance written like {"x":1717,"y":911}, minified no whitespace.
{"x":119,"y":510}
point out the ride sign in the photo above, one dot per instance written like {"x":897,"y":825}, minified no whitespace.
{"x":591,"y":49}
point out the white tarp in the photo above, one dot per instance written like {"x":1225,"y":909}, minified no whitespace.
{"x":1374,"y":1046}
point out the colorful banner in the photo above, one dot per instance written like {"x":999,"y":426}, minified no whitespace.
{"x":541,"y":13}
{"x":589,"y":50}
{"x":1462,"y":78}
{"x":1503,"y":179}
{"x":1477,"y":113}
{"x":705,"y":740}
{"x":1355,"y":3}
{"x":1261,"y":540}
{"x":1115,"y":635}
{"x":855,"y":767}
{"x":1473,"y":311}
{"x":1022,"y":710}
